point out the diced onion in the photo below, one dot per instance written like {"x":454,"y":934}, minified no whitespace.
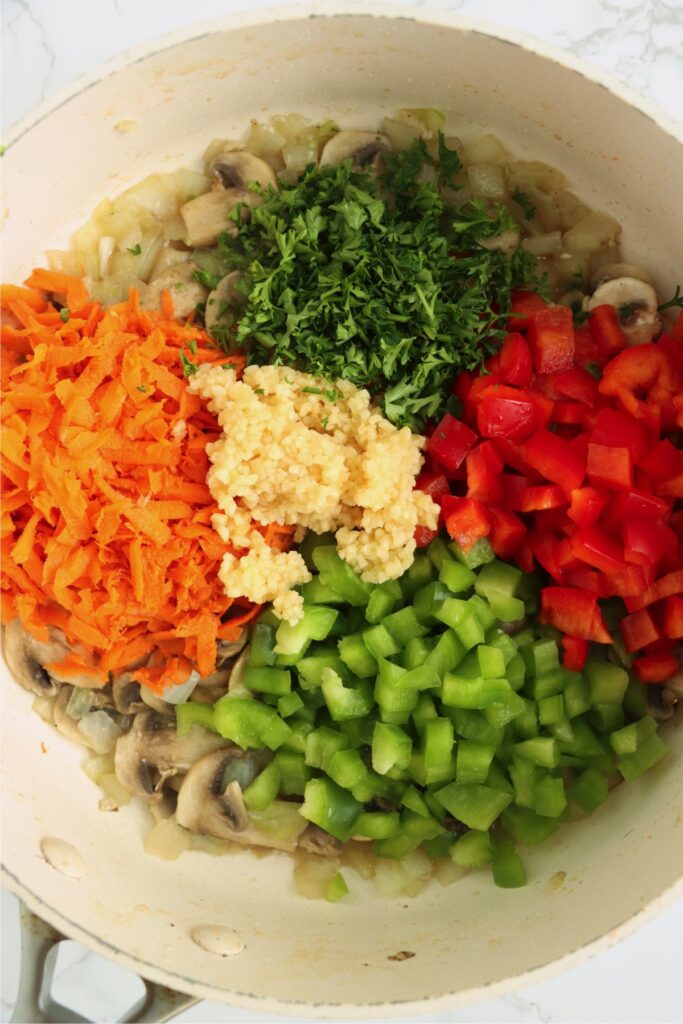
{"x":547,"y":244}
{"x":44,"y":706}
{"x":167,"y":840}
{"x":360,"y":858}
{"x":591,"y":233}
{"x":313,"y":874}
{"x":487,"y":180}
{"x":181,"y":692}
{"x":523,"y":173}
{"x":400,"y":135}
{"x":105,"y":251}
{"x":100,"y":731}
{"x":79,"y":702}
{"x":97,"y":766}
{"x":211,"y":845}
{"x":113,"y":789}
{"x":446,"y":872}
{"x":486,"y":150}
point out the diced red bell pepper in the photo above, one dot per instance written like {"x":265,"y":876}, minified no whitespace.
{"x":513,"y":455}
{"x":575,"y":612}
{"x":514,"y":489}
{"x":645,"y":369}
{"x":555,"y":519}
{"x":522,"y":307}
{"x":467,"y":520}
{"x":609,"y":466}
{"x":551,"y":338}
{"x":646,"y":542}
{"x":655,"y":668}
{"x":507,"y":532}
{"x":587,"y":505}
{"x":648,"y":413}
{"x":617,"y":430}
{"x":577,"y":384}
{"x":628,"y":581}
{"x":537,"y":497}
{"x":424,"y":536}
{"x":556,"y":460}
{"x":637,"y":504}
{"x":450,"y":442}
{"x":506,"y":412}
{"x":676,"y":332}
{"x":606,"y":332}
{"x":638,"y":630}
{"x":672,"y":488}
{"x":543,"y":545}
{"x":484,"y":468}
{"x":670,"y":585}
{"x":514,"y":361}
{"x":432,"y":483}
{"x":472,"y":396}
{"x":585,"y":348}
{"x":672,"y":618}
{"x":573,"y":413}
{"x":565,"y":557}
{"x":596,"y":548}
{"x":575,"y":650}
{"x":586,"y":579}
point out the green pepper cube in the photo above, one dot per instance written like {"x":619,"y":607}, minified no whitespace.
{"x":606,"y":682}
{"x":422,"y":678}
{"x":541,"y":657}
{"x":524,"y":826}
{"x":589,"y":790}
{"x":315,"y":624}
{"x":546,"y":685}
{"x":416,"y":652}
{"x":420,"y":573}
{"x":504,"y":643}
{"x":404,"y":625}
{"x":497,"y":778}
{"x":606,"y":717}
{"x":321,"y":746}
{"x":473,"y":761}
{"x":356,"y":656}
{"x":508,"y":870}
{"x":263,"y":790}
{"x":337,"y":889}
{"x":315,"y":592}
{"x":540,"y":750}
{"x":483,"y":612}
{"x":294,"y":772}
{"x":575,"y":694}
{"x":473,"y":850}
{"x":424,"y":712}
{"x":300,"y":727}
{"x":194,"y":712}
{"x":345,"y":702}
{"x":346,"y":768}
{"x":491,"y":661}
{"x":390,"y":694}
{"x":507,"y":609}
{"x":428,"y":600}
{"x":379,"y":641}
{"x":502,"y":712}
{"x":437,"y":748}
{"x":446,"y":655}
{"x":340,"y":577}
{"x":275,"y":681}
{"x":524,"y":775}
{"x":456,"y":577}
{"x":413,"y":830}
{"x":470,"y":630}
{"x":549,"y":797}
{"x":330,"y":807}
{"x":551,"y":709}
{"x":627,"y":740}
{"x":499,"y":579}
{"x":391,"y":748}
{"x":289,"y":704}
{"x":478,"y":554}
{"x":310,"y":668}
{"x":476,"y":806}
{"x":438,"y":552}
{"x":261,"y":645}
{"x":377,"y":824}
{"x":382,"y":601}
{"x":472,"y":725}
{"x":650,"y":750}
{"x":585,"y":742}
{"x":250,"y":723}
{"x":413,"y":800}
{"x":526,"y":723}
{"x":460,"y":692}
{"x":515,"y":672}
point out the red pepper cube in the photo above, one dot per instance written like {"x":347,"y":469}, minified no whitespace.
{"x":585,"y":348}
{"x":514,"y":490}
{"x":467,"y":520}
{"x":506,"y":413}
{"x":596,"y":548}
{"x":606,"y":332}
{"x":646,"y":369}
{"x":514,"y":361}
{"x":609,"y":466}
{"x":617,"y":430}
{"x":575,"y":612}
{"x":672,"y":488}
{"x":586,"y":579}
{"x":537,"y":497}
{"x":571,"y":413}
{"x":484,"y":468}
{"x":577,"y":384}
{"x":507,"y":532}
{"x":587,"y":505}
{"x":672,"y":619}
{"x":637,"y":504}
{"x":556,"y":460}
{"x":629,"y":581}
{"x":646,"y":542}
{"x":424,"y":536}
{"x":655,"y":668}
{"x":432,"y":483}
{"x":551,"y":339}
{"x":450,"y":442}
{"x":543,"y":544}
{"x":575,"y":652}
{"x":638,"y":630}
{"x":522,"y":307}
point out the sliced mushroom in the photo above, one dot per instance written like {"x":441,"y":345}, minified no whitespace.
{"x":238,"y":169}
{"x":636,"y":304}
{"x":153,"y":752}
{"x":27,"y":658}
{"x":206,"y":805}
{"x":126,"y":696}
{"x":168,"y":257}
{"x":208,"y":216}
{"x":316,"y":840}
{"x":226,"y":649}
{"x":611,"y":271}
{"x":222,"y":302}
{"x":182,"y":285}
{"x":363,"y":149}
{"x":660,"y":702}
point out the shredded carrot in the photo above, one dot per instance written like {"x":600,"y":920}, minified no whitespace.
{"x":106,"y":525}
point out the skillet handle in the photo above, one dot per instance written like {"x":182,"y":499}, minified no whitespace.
{"x":35,"y":1005}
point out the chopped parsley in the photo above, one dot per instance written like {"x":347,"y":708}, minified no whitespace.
{"x":355,"y":277}
{"x":675,"y":302}
{"x":64,"y":314}
{"x":312,"y":391}
{"x":136,"y":250}
{"x":594,"y":370}
{"x":192,"y":345}
{"x":578,"y":312}
{"x":141,"y":387}
{"x":522,"y":199}
{"x":188,"y":366}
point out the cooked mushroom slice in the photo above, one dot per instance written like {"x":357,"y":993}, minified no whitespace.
{"x":126,"y":696}
{"x":153,"y":752}
{"x":636,"y":304}
{"x":184,"y":289}
{"x":208,"y":216}
{"x":315,"y":840}
{"x":238,"y":169}
{"x":361,"y":148}
{"x":222,"y":302}
{"x":660,"y":702}
{"x":611,"y":271}
{"x":226,"y":649}
{"x":27,"y":658}
{"x":208,"y":806}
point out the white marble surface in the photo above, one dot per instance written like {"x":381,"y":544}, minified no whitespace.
{"x":48,"y":43}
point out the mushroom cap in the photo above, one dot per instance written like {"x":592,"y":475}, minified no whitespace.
{"x":27,"y":657}
{"x":636,"y":304}
{"x":225,"y":298}
{"x":238,"y":169}
{"x":182,"y":285}
{"x":660,"y":701}
{"x":361,"y":148}
{"x":208,"y":216}
{"x":611,"y":271}
{"x":152,"y":752}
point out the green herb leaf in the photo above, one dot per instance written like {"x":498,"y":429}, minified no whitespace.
{"x":136,"y":250}
{"x":522,"y":199}
{"x":188,"y":366}
{"x":675,"y":302}
{"x":64,"y":314}
{"x":594,"y":370}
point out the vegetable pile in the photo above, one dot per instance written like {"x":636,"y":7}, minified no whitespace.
{"x":349,"y":276}
{"x":106,"y":524}
{"x":561,"y":459}
{"x":405,"y":713}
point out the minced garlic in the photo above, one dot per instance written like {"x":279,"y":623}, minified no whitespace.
{"x":296,"y":450}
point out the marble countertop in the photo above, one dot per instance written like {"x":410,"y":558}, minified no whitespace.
{"x":48,"y":43}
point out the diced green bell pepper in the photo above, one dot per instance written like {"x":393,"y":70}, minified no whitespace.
{"x":412,"y":831}
{"x":340,"y":577}
{"x":459,"y":692}
{"x":377,"y":824}
{"x":540,"y":750}
{"x":337,"y":889}
{"x":491,"y":661}
{"x":549,"y":797}
{"x":628,"y":739}
{"x":346,"y":768}
{"x":524,"y":775}
{"x":315,"y":592}
{"x":437,"y":748}
{"x":263,"y":789}
{"x":457,"y":577}
{"x":289,"y":704}
{"x":428,"y":600}
{"x":650,"y":750}
{"x":419,"y":574}
{"x":330,"y":807}
{"x":310,"y":668}
{"x":391,"y":748}
{"x":414,"y":801}
{"x":589,"y":790}
{"x":473,"y":850}
{"x":416,"y":652}
{"x":476,"y":806}
{"x":525,"y":826}
{"x":345,"y":702}
{"x":261,"y":645}
{"x":607,"y":683}
{"x":316,"y":624}
{"x":294,"y":772}
{"x":275,"y":681}
{"x":551,"y":709}
{"x":357,"y":658}
{"x":382,"y":601}
{"x":473,"y":761}
{"x":379,"y":641}
{"x":478,"y":554}
{"x":508,"y":870}
{"x":575,"y":695}
{"x":404,"y":626}
{"x":447,"y":654}
{"x":194,"y":712}
{"x":249,"y":723}
{"x":321,"y":746}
